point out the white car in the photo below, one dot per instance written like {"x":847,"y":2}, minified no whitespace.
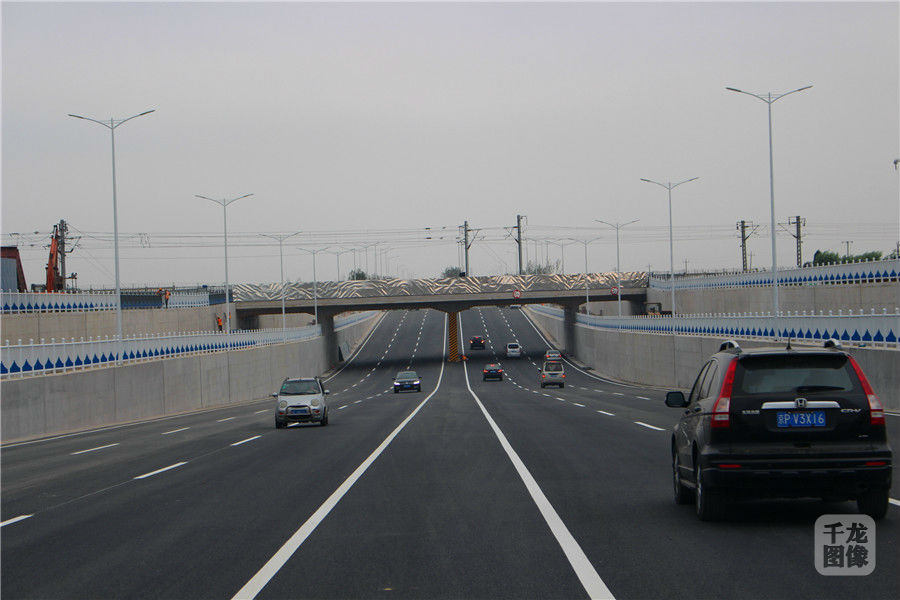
{"x":301,"y":400}
{"x":513,"y":350}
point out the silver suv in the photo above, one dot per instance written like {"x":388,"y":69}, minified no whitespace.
{"x":553,"y":373}
{"x":301,"y":400}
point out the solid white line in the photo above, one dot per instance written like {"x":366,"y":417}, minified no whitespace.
{"x":576,"y":404}
{"x":15,"y":520}
{"x":650,"y":426}
{"x":894,"y":502}
{"x":278,"y":560}
{"x":97,"y":448}
{"x":156,"y":472}
{"x":175,"y":430}
{"x":225,"y":419}
{"x":250,"y":439}
{"x":603,"y":412}
{"x":582,"y":566}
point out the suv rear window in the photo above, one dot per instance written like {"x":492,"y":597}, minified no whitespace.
{"x":796,"y":373}
{"x":553,"y":366}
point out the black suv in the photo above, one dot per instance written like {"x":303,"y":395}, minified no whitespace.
{"x":780,"y":422}
{"x":476,"y":343}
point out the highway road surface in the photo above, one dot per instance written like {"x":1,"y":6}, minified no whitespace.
{"x":469,"y":489}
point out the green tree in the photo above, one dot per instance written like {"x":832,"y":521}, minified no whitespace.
{"x":533,"y":268}
{"x":358,"y":275}
{"x":824,"y":257}
{"x":451,"y":272}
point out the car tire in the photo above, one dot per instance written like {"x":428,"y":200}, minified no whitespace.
{"x":874,"y":503}
{"x":709,"y":505}
{"x":279,"y":424}
{"x":419,"y":389}
{"x":683,"y":495}
{"x":542,"y":386}
{"x":324,"y":420}
{"x":396,"y":391}
{"x":484,"y":378}
{"x":562,"y":385}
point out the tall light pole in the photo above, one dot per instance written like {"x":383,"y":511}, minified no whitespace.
{"x":224,"y":202}
{"x":281,"y":239}
{"x":670,"y":186}
{"x":587,"y":294}
{"x":111,"y":125}
{"x":562,"y":253}
{"x":315,"y":281}
{"x":769,"y":99}
{"x":617,"y":227}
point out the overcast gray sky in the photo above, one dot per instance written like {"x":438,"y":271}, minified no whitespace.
{"x":350,"y":120}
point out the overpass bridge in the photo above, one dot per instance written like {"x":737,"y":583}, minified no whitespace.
{"x":450,"y":295}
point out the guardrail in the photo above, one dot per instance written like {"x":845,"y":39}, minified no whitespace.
{"x":65,"y":356}
{"x":33,"y":302}
{"x":876,"y":271}
{"x":860,"y":329}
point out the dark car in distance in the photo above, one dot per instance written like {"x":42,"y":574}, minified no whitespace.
{"x":476,"y":343}
{"x":407,"y":380}
{"x":780,"y":423}
{"x":493,"y":371}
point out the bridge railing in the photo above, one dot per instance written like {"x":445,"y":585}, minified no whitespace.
{"x":878,"y":330}
{"x":36,"y":302}
{"x":875,"y":271}
{"x":68,"y":355}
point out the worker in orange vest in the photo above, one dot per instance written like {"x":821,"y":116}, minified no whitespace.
{"x":219,"y":322}
{"x":167,"y":298}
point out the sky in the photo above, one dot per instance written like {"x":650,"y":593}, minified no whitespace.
{"x":360,"y":125}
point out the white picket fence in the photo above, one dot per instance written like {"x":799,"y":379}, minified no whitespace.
{"x":878,"y":330}
{"x":839,"y":273}
{"x":67,"y":355}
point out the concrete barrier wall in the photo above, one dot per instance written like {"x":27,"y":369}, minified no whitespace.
{"x":674,"y":361}
{"x":856,"y":297}
{"x":54,"y":404}
{"x":103,"y":323}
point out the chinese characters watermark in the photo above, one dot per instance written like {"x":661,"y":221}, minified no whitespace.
{"x":845,"y":544}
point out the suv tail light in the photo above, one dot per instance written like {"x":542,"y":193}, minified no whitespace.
{"x":721,"y":417}
{"x":876,"y":410}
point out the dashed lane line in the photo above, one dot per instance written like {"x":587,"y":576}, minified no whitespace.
{"x":94,"y":449}
{"x":175,"y":431}
{"x":15,"y":520}
{"x":618,"y":394}
{"x":249,"y":439}
{"x":642,"y":397}
{"x":225,"y":419}
{"x":577,"y":404}
{"x":261,"y":411}
{"x":342,"y":407}
{"x":603,"y":412}
{"x":649,"y":426}
{"x":163,"y":470}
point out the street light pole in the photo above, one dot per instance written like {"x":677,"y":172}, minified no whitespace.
{"x":769,"y":99}
{"x":281,"y":239}
{"x":670,"y":186}
{"x":587,"y":294}
{"x":111,"y":125}
{"x":315,"y":281}
{"x":224,"y":202}
{"x":617,"y":227}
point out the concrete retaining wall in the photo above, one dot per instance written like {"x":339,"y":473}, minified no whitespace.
{"x":856,"y":297}
{"x":674,"y":361}
{"x":53,"y":404}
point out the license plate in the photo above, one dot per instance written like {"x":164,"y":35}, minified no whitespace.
{"x":299,"y":411}
{"x":815,"y":418}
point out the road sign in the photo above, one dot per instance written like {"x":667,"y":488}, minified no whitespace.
{"x":613,"y":290}
{"x":517,"y":294}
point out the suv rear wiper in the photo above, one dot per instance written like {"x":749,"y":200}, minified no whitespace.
{"x":818,"y":388}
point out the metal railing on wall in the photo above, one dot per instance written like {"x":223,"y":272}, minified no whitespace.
{"x":876,"y":330}
{"x":34,"y":302}
{"x":875,"y":271}
{"x":70,"y":355}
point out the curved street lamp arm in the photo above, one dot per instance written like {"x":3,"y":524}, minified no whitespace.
{"x":685,"y":181}
{"x":791,"y":92}
{"x":90,"y":119}
{"x":656,"y":182}
{"x":146,"y":112}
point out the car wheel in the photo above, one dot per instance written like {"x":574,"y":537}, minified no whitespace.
{"x":419,"y":389}
{"x":542,"y":386}
{"x":484,"y":378}
{"x":396,"y":391}
{"x":874,"y":503}
{"x":683,"y":495}
{"x":279,"y":424}
{"x":708,"y":505}
{"x":324,"y":420}
{"x":562,"y":385}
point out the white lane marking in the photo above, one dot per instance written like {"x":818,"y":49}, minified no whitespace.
{"x":262,"y":411}
{"x":357,"y":402}
{"x":293,"y":424}
{"x":250,"y":439}
{"x":359,"y":349}
{"x":642,"y":397}
{"x":369,"y":397}
{"x":603,"y":412}
{"x":97,"y":448}
{"x":582,"y":566}
{"x":175,"y":431}
{"x":894,"y":502}
{"x":576,"y":404}
{"x":15,"y":520}
{"x":342,"y":407}
{"x":225,"y":419}
{"x":649,"y":426}
{"x":158,"y":471}
{"x":560,"y":399}
{"x":618,"y":394}
{"x":600,"y":391}
{"x":278,"y":560}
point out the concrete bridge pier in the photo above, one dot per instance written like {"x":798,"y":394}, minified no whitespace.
{"x":326,"y":321}
{"x":570,"y":312}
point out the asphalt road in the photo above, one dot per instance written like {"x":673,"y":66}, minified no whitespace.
{"x":469,"y":489}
